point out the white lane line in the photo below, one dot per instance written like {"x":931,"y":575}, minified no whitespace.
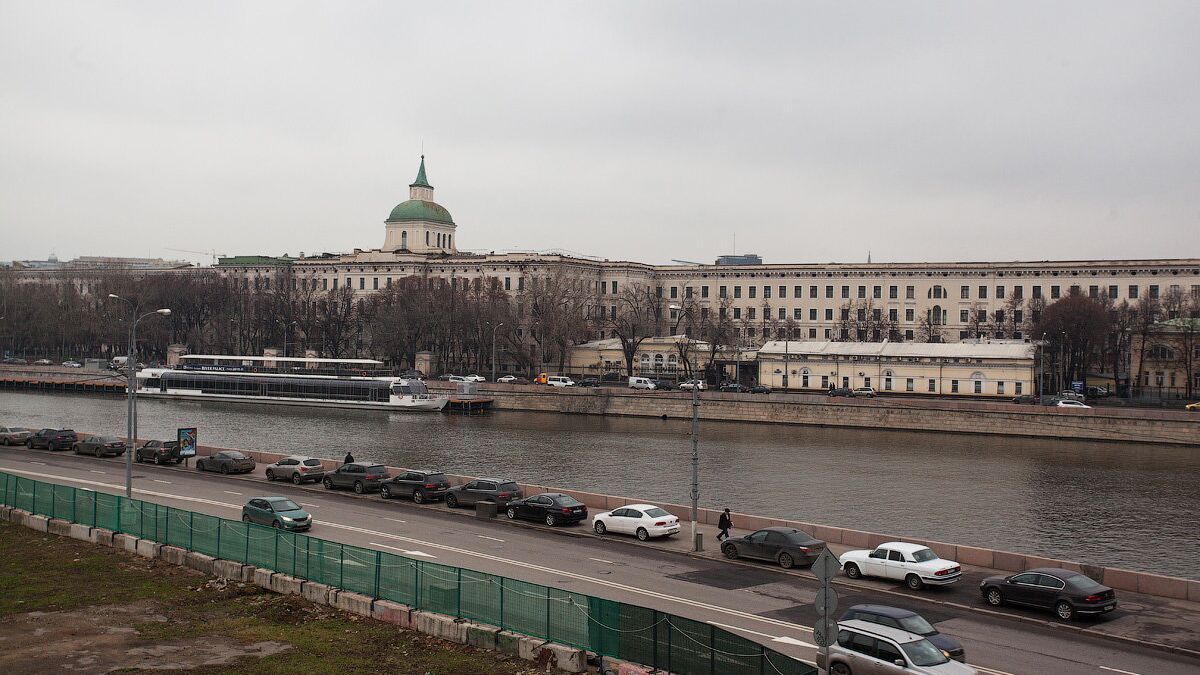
{"x":162,"y":481}
{"x":231,"y":492}
{"x":993,"y":671}
{"x":38,"y":463}
{"x":395,"y":520}
{"x":312,"y":506}
{"x":484,"y":536}
{"x":95,"y":471}
{"x":772,"y":638}
{"x":420,"y":553}
{"x":607,"y":562}
{"x":1118,"y":670}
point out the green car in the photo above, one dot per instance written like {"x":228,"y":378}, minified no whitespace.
{"x":277,"y":512}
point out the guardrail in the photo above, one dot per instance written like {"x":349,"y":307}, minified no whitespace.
{"x":605,"y":627}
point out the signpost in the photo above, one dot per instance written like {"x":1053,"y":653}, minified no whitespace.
{"x":187,"y":442}
{"x":825,"y":630}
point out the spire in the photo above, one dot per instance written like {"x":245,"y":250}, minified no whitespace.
{"x":868,"y":257}
{"x":421,"y":181}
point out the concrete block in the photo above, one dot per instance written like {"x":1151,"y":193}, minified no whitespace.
{"x":39,"y":523}
{"x":60,"y":527}
{"x":440,"y":626}
{"x":481,"y":636}
{"x":147,"y":548}
{"x":528,"y":648}
{"x":174,"y":555}
{"x":262,"y":578}
{"x":199,"y":562}
{"x":875,"y":539}
{"x":623,"y":668}
{"x":506,"y":642}
{"x":287,"y":585}
{"x":314,"y":592}
{"x":391,"y":612}
{"x":1193,"y":590}
{"x":102,"y":536}
{"x":1122,"y":580}
{"x":80,"y":531}
{"x":1011,"y":562}
{"x":232,"y":569}
{"x":971,"y":555}
{"x":126,"y":542}
{"x":1033,"y":562}
{"x":555,"y":656}
{"x":5,"y":512}
{"x":1162,"y":586}
{"x":19,"y":516}
{"x":355,"y":603}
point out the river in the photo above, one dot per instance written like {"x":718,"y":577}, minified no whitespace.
{"x":1121,"y":505}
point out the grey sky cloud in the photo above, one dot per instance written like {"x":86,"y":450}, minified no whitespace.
{"x":646,"y":131}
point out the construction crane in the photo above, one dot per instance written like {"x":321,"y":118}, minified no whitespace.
{"x":686,"y":262}
{"x":212,"y":253}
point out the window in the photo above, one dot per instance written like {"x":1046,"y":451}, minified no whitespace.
{"x":909,"y":314}
{"x":614,"y":288}
{"x":704,"y":291}
{"x":1018,"y":315}
{"x":766,"y":292}
{"x":1094,"y":292}
{"x":797,"y":292}
{"x":737,"y":312}
{"x":953,"y":386}
{"x":845,"y":314}
{"x":1037,"y":292}
{"x":862,"y":314}
{"x":812,"y":314}
{"x":521,"y":283}
{"x":723,"y":292}
{"x":508,"y":283}
{"x":978,"y":387}
{"x":999,"y":292}
{"x":812,"y":292}
{"x":877,"y":291}
{"x":999,"y":316}
{"x":829,"y":315}
{"x":982,"y":293}
{"x":783,"y":291}
{"x":783,"y":314}
{"x":932,"y":385}
{"x":1133,"y":291}
{"x":908,"y":384}
{"x":1017,"y":386}
{"x":893,"y":315}
{"x":964,"y":292}
{"x":798,"y":314}
{"x":335,"y":282}
{"x":687,"y":292}
{"x":893,"y":292}
{"x":829,"y":291}
{"x":963,"y":315}
{"x":845,"y":291}
{"x":1055,"y":292}
{"x":325,"y":284}
{"x":753,"y":291}
{"x":375,"y":283}
{"x":862,"y":291}
{"x":1000,"y":388}
{"x":910,"y":292}
{"x":750,"y":313}
{"x":908,"y":335}
{"x":1018,"y":292}
{"x":737,"y":291}
{"x":1112,"y":292}
{"x":1153,"y":291}
{"x":674,"y":292}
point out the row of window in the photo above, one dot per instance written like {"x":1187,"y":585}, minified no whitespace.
{"x":337,"y":390}
{"x":911,"y":384}
{"x":938,"y":292}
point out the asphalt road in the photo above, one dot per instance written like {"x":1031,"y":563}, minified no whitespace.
{"x":757,"y":601}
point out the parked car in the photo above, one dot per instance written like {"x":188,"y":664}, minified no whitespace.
{"x":15,"y":361}
{"x":99,"y":446}
{"x":412,"y":374}
{"x":1025,"y":398}
{"x":458,"y":378}
{"x":506,"y":379}
{"x":863,"y":647}
{"x":297,"y":469}
{"x":784,"y":545}
{"x":1069,"y":395}
{"x":14,"y":435}
{"x":520,"y":380}
{"x":474,"y":378}
{"x":916,"y":565}
{"x":760,"y":389}
{"x":279,"y":512}
{"x":642,"y":520}
{"x":1193,"y":407}
{"x":226,"y":461}
{"x":735,"y":388}
{"x":642,"y":383}
{"x":1062,"y":403}
{"x":1065,"y":592}
{"x":362,"y":476}
{"x":611,"y":377}
{"x":43,"y":362}
{"x":906,"y":619}
{"x":560,"y":381}
{"x":588,"y":382}
{"x":52,"y":439}
{"x":665,"y":385}
{"x":552,"y":508}
{"x":499,"y":491}
{"x":1097,"y":392}
{"x":72,"y":364}
{"x":688,"y":385}
{"x":864,"y":392}
{"x":422,"y":486}
{"x":159,"y":452}
{"x":841,"y":391}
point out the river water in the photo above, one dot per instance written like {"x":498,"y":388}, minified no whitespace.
{"x":1122,"y":505}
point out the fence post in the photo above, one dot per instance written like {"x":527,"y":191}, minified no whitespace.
{"x":712,"y":650}
{"x":501,"y":603}
{"x":458,"y":596}
{"x":95,"y":498}
{"x":762,"y":660}
{"x":276,"y":565}
{"x":341,"y":565}
{"x":547,"y":635}
{"x":74,"y":505}
{"x":246,"y":555}
{"x":191,"y":530}
{"x":167,"y":535}
{"x":220,"y":521}
{"x":417,"y":565}
{"x":119,"y":510}
{"x":378,"y":565}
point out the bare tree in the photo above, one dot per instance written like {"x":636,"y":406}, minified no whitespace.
{"x":634,"y":319}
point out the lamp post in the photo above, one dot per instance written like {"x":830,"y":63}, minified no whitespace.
{"x":131,"y":386}
{"x":695,"y":446}
{"x":494,"y":349}
{"x":1040,"y":390}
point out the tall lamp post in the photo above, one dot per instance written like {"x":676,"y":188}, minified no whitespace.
{"x":131,"y":386}
{"x":494,"y":349}
{"x":695,"y":447}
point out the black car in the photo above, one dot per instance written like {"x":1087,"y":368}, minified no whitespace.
{"x":551,"y":508}
{"x":784,"y":545}
{"x":760,"y":389}
{"x":735,"y":388}
{"x":100,"y":446}
{"x":906,"y":619}
{"x":15,"y":361}
{"x":495,"y":490}
{"x":1065,"y":592}
{"x":226,"y":461}
{"x":588,"y":382}
{"x":665,"y":385}
{"x":1025,"y":398}
{"x":159,"y":452}
{"x":422,"y":486}
{"x":841,"y":391}
{"x":52,"y":439}
{"x":362,"y":476}
{"x":612,"y":377}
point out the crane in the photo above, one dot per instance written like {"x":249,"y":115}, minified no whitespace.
{"x":212,"y":252}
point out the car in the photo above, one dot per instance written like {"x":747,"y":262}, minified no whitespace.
{"x":1070,"y":404}
{"x":72,"y":364}
{"x":52,"y":439}
{"x":15,"y":361}
{"x":159,"y":452}
{"x":642,"y":520}
{"x":1097,"y":392}
{"x":611,"y":377}
{"x":841,"y":391}
{"x":864,"y":392}
{"x":784,"y":545}
{"x":560,"y":381}
{"x":361,"y":476}
{"x":498,"y":491}
{"x":43,"y":362}
{"x":665,"y":385}
{"x":14,"y":435}
{"x":1025,"y":398}
{"x":520,"y":380}
{"x":226,"y":461}
{"x":863,"y":647}
{"x":297,"y":469}
{"x":916,"y":565}
{"x":642,"y":383}
{"x":588,"y":382}
{"x":423,"y":486}
{"x":448,"y":376}
{"x":735,"y":388}
{"x":457,"y":378}
{"x":552,"y":508}
{"x":412,"y":374}
{"x":1194,"y":407}
{"x":474,"y":378}
{"x":100,"y":446}
{"x":278,"y":512}
{"x":906,"y":619}
{"x":688,"y":385}
{"x":506,"y":379}
{"x":1069,"y":395}
{"x":1065,"y":592}
{"x":760,"y":389}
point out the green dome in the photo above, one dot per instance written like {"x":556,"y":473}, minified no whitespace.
{"x":419,"y":209}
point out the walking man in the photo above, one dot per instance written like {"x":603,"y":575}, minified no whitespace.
{"x":349,"y":458}
{"x":723,"y":525}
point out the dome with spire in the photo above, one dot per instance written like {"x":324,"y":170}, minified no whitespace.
{"x":420,"y":205}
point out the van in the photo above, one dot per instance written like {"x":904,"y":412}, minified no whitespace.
{"x":560,"y":381}
{"x":641,"y":383}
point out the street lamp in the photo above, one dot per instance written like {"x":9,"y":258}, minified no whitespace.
{"x":695,"y":449}
{"x":131,"y":386}
{"x":494,"y":349}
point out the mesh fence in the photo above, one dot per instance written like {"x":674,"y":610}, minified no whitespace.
{"x":606,"y":627}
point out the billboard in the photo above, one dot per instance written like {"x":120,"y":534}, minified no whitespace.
{"x":1077,"y":386}
{"x":187,"y":442}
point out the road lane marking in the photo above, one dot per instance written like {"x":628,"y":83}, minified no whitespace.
{"x":607,"y":562}
{"x":993,"y":671}
{"x":420,"y":553}
{"x":772,"y":638}
{"x":99,"y":472}
{"x":395,"y":520}
{"x":231,"y":492}
{"x":484,"y":536}
{"x":38,"y":463}
{"x":162,"y":481}
{"x":315,"y":506}
{"x":1118,"y":670}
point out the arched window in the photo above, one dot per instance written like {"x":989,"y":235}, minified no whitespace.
{"x":426,"y":237}
{"x":644,"y":363}
{"x":449,"y":241}
{"x":1161,"y":353}
{"x":935,"y":317}
{"x":658,"y":362}
{"x":404,"y":239}
{"x":672,"y":363}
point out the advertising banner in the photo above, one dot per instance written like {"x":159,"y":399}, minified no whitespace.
{"x":187,"y":442}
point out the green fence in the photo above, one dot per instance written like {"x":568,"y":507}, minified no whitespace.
{"x":606,"y":627}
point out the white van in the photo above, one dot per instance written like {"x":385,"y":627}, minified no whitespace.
{"x":560,"y":381}
{"x":641,"y":383}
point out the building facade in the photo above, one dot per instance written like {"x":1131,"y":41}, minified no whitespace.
{"x":1166,"y":362}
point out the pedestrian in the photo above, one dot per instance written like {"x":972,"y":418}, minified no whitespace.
{"x":723,"y":525}
{"x":349,"y":458}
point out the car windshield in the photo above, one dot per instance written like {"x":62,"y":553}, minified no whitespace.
{"x":923,"y":653}
{"x":917,"y":624}
{"x":924,"y":555}
{"x":656,"y":512}
{"x":312,"y":462}
{"x":509,"y":487}
{"x":285,"y":505}
{"x":1082,"y":583}
{"x":235,"y":455}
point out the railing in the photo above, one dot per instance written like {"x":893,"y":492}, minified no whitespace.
{"x":606,"y":627}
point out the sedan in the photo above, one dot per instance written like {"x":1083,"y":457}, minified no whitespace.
{"x":1025,"y":398}
{"x":226,"y":461}
{"x":362,"y":476}
{"x":908,"y":620}
{"x":100,"y":446}
{"x":14,"y":435}
{"x":297,"y":469}
{"x":52,"y":439}
{"x":916,"y":565}
{"x":840,"y":391}
{"x":735,"y":388}
{"x":1066,"y":592}
{"x":494,"y":490}
{"x":688,"y":385}
{"x":507,"y":379}
{"x":588,"y":382}
{"x":43,"y":362}
{"x":474,"y":378}
{"x":551,"y":508}
{"x":422,"y":486}
{"x":643,"y":520}
{"x":784,"y":545}
{"x":15,"y":361}
{"x":72,"y":364}
{"x":1065,"y":403}
{"x":278,"y":512}
{"x":760,"y":389}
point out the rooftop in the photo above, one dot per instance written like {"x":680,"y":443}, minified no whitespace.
{"x":965,"y":350}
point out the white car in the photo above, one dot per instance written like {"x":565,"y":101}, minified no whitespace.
{"x":643,"y":520}
{"x":72,"y":364}
{"x":688,"y":385}
{"x":560,"y":381}
{"x":474,"y":378}
{"x":914,"y":564}
{"x":507,"y":379}
{"x":1071,"y":404}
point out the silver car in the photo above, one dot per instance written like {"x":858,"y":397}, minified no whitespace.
{"x":14,"y":435}
{"x":863,"y":647}
{"x":297,"y":469}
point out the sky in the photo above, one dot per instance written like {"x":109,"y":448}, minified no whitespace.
{"x":801,"y":131}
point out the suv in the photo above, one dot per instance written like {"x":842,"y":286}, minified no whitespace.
{"x":906,"y":619}
{"x":422,"y":486}
{"x":297,"y":469}
{"x":159,"y":452}
{"x":496,"y":490}
{"x":362,"y":476}
{"x":52,"y":439}
{"x":863,"y":647}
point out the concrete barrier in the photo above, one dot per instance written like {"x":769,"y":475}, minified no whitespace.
{"x":440,"y":626}
{"x":5,"y":512}
{"x":564,"y":658}
{"x":233,"y":570}
{"x":285,"y":585}
{"x":391,"y":612}
{"x":200,"y":562}
{"x":147,"y":548}
{"x":315,"y":592}
{"x":80,"y":531}
{"x":38,"y":523}
{"x":482,"y":636}
{"x":262,"y":578}
{"x":102,"y":536}
{"x":19,"y":517}
{"x":60,"y":527}
{"x":355,"y":603}
{"x":624,"y":668}
{"x":174,"y":555}
{"x":126,"y":542}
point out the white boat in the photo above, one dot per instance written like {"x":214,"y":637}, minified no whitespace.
{"x":331,"y":383}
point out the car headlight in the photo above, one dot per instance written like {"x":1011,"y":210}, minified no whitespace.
{"x":946,"y":653}
{"x":287,"y":519}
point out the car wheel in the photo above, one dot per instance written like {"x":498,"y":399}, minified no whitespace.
{"x":385,"y":492}
{"x":993,"y":597}
{"x":225,"y":469}
{"x":297,"y":479}
{"x":452,"y":501}
{"x":199,"y":465}
{"x":839,"y":669}
{"x":98,"y":452}
{"x":852,"y":571}
{"x":730,"y":551}
{"x":418,"y":497}
{"x":358,"y":487}
{"x":75,"y":448}
{"x":245,"y":518}
{"x":327,"y":483}
{"x":270,"y":475}
{"x":914,"y":582}
{"x":786,"y":561}
{"x":29,"y":444}
{"x":599,"y":527}
{"x":1064,"y":610}
{"x":551,"y":520}
{"x":642,"y":534}
{"x":137,"y":458}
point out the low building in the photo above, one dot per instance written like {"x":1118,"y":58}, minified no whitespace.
{"x":980,"y":369}
{"x":669,"y":357}
{"x":1166,"y":361}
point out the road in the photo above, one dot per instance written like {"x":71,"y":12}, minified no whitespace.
{"x":759,"y":602}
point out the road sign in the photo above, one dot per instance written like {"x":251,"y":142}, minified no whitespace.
{"x":826,"y":601}
{"x":825,"y":631}
{"x":827,"y":566}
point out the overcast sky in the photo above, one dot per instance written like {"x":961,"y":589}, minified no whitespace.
{"x":636,"y":130}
